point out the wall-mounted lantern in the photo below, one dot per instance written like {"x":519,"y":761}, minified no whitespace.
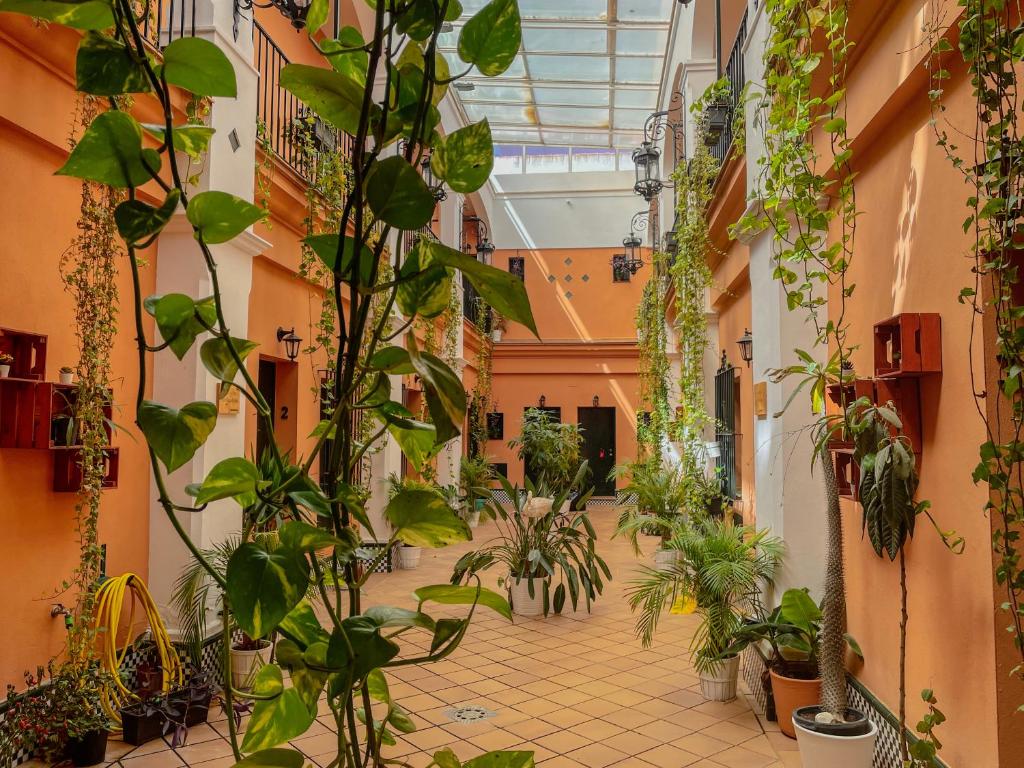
{"x":647,"y":164}
{"x":542,"y":401}
{"x":597,"y":401}
{"x":291,"y":342}
{"x":746,"y":345}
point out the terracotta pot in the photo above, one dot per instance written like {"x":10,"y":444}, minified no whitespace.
{"x":790,"y":694}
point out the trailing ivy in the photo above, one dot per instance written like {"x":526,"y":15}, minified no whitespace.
{"x":990,"y":156}
{"x":653,"y":364}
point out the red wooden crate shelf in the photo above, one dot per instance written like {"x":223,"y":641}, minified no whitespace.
{"x":67,"y":469}
{"x":24,"y":413}
{"x":847,"y":474}
{"x":63,"y":399}
{"x":909,"y":344}
{"x":905,"y":396}
{"x":848,"y":393}
{"x":28,"y":351}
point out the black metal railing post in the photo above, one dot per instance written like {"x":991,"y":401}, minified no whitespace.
{"x":735,"y":72}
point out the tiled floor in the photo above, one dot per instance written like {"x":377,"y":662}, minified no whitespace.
{"x":578,"y":690}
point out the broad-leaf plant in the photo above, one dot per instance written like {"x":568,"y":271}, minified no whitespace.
{"x":380,"y":89}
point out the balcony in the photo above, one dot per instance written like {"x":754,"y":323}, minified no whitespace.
{"x":734,"y":71}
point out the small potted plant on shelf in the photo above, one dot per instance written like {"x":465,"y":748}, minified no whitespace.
{"x":717,"y":106}
{"x":5,"y":365}
{"x":541,"y":539}
{"x":720,"y":574}
{"x":498,"y":327}
{"x":67,"y":374}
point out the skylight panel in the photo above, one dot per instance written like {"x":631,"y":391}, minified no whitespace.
{"x":574,"y":116}
{"x":586,"y":68}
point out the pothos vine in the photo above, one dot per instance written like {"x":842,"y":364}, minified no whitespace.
{"x":653,"y":365}
{"x":988,"y":39}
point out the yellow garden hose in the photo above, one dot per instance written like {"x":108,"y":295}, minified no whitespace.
{"x":109,"y":611}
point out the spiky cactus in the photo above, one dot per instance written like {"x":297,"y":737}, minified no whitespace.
{"x":833,"y":606}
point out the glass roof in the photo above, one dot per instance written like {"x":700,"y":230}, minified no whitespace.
{"x":588,"y":71}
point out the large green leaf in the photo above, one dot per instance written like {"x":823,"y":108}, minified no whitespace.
{"x":398,"y":195}
{"x":393,"y":360}
{"x":502,"y":760}
{"x":350,"y":63}
{"x":278,"y":719}
{"x":502,"y":290}
{"x":191,"y":139}
{"x":302,"y":625}
{"x":216,"y":356}
{"x":417,"y":439}
{"x":308,"y":682}
{"x":491,"y":39}
{"x":335,"y":97}
{"x":465,"y":158}
{"x":371,"y":649}
{"x":449,"y":594}
{"x":426,"y":288}
{"x":391,"y":616}
{"x":105,"y":67}
{"x":79,"y":14}
{"x":110,"y":152}
{"x":232,"y":478}
{"x":799,"y":609}
{"x":316,"y":16}
{"x":304,"y":537}
{"x":177,"y":317}
{"x":199,"y":66}
{"x":220,"y":216}
{"x":272,"y":758}
{"x":326,"y":249}
{"x":264,"y":586}
{"x":446,"y":399}
{"x":138,"y":221}
{"x":175,"y":435}
{"x":422,"y":518}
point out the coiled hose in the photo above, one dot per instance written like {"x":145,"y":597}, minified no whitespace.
{"x":109,"y":612}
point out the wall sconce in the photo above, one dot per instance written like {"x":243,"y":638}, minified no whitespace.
{"x":542,"y":402}
{"x":746,"y":345}
{"x":291,"y":342}
{"x":597,"y":401}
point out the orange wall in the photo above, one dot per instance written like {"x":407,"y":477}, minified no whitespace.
{"x":38,"y":214}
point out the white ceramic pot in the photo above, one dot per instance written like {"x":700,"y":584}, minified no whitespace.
{"x":496,"y":334}
{"x":5,"y":371}
{"x":664,"y":559}
{"x":719,"y":684}
{"x":474,"y":518}
{"x":67,"y":378}
{"x":409,"y":557}
{"x":820,"y":749}
{"x":522,"y":603}
{"x":245,"y":665}
{"x":648,"y":544}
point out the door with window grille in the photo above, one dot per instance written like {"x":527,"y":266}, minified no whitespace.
{"x":726,"y":402}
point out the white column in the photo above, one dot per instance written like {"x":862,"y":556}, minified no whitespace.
{"x":180,"y":268}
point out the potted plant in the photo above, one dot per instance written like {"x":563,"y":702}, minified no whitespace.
{"x":408,"y":556}
{"x":475,"y":478}
{"x":247,"y":657}
{"x":717,"y":107}
{"x":498,"y":327}
{"x":67,"y":374}
{"x":551,"y":452}
{"x":541,"y":540}
{"x":168,"y":713}
{"x":659,"y":494}
{"x":721,"y":571}
{"x":75,"y":697}
{"x":5,"y":365}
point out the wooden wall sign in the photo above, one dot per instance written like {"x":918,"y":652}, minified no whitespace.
{"x":229,"y":402}
{"x":761,"y":399}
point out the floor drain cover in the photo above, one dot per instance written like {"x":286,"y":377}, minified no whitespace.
{"x":469,"y":714}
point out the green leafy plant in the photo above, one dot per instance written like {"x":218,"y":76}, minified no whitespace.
{"x":476,"y":477}
{"x":660,"y":494}
{"x":540,"y":547}
{"x":924,"y":752}
{"x":378,"y":90}
{"x":722,"y":568}
{"x":550,"y":451}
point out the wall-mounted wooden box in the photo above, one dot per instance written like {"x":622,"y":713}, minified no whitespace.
{"x":847,"y":474}
{"x":905,"y":396}
{"x":67,"y":469}
{"x":909,"y":344}
{"x":62,"y":422}
{"x":28,"y":351}
{"x":845,"y":394}
{"x":24,"y":413}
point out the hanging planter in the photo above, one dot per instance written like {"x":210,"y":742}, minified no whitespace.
{"x":716,"y":119}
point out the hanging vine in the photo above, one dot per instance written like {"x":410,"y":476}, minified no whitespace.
{"x":691,"y":278}
{"x":89,"y":272}
{"x":483,"y":388}
{"x":653,"y":365}
{"x":990,"y":43}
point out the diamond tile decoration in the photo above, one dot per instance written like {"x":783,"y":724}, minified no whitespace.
{"x":568,"y":278}
{"x":551,"y":278}
{"x":568,"y":261}
{"x":568,"y":294}
{"x":585,"y":278}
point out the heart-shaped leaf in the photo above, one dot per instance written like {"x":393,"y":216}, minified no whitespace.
{"x":193,"y":140}
{"x":273,"y":758}
{"x":110,"y":152}
{"x":277,"y":719}
{"x":264,"y":586}
{"x":233,"y":478}
{"x":491,"y":39}
{"x":176,"y":317}
{"x":398,"y":195}
{"x":422,"y":518}
{"x":371,"y":649}
{"x":465,"y":158}
{"x":502,"y":760}
{"x":78,"y":14}
{"x":216,"y":356}
{"x":335,"y":97}
{"x":220,"y":216}
{"x":105,"y":67}
{"x":175,"y":435}
{"x":137,"y":221}
{"x":448,"y":594}
{"x":199,"y":66}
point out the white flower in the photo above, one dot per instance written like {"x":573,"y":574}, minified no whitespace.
{"x":536,"y":507}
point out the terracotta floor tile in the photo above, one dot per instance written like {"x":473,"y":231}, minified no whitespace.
{"x":560,"y":761}
{"x":738,"y":757}
{"x":532,"y":728}
{"x":596,"y":730}
{"x":562,"y":742}
{"x":596,"y":755}
{"x":702,"y":744}
{"x":564,"y":718}
{"x":632,"y":743}
{"x":163,"y":759}
{"x":668,"y":756}
{"x":494,"y":739}
{"x":730,"y":732}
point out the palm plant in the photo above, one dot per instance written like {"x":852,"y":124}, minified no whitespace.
{"x":475,"y":477}
{"x":660,"y":494}
{"x":723,"y":568}
{"x":561,"y":543}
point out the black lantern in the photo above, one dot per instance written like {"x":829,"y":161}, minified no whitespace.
{"x":293,"y":10}
{"x":542,"y":401}
{"x":291,"y":342}
{"x":483,"y":245}
{"x":485,"y":250}
{"x":647,"y":163}
{"x":746,"y":345}
{"x":435,"y":186}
